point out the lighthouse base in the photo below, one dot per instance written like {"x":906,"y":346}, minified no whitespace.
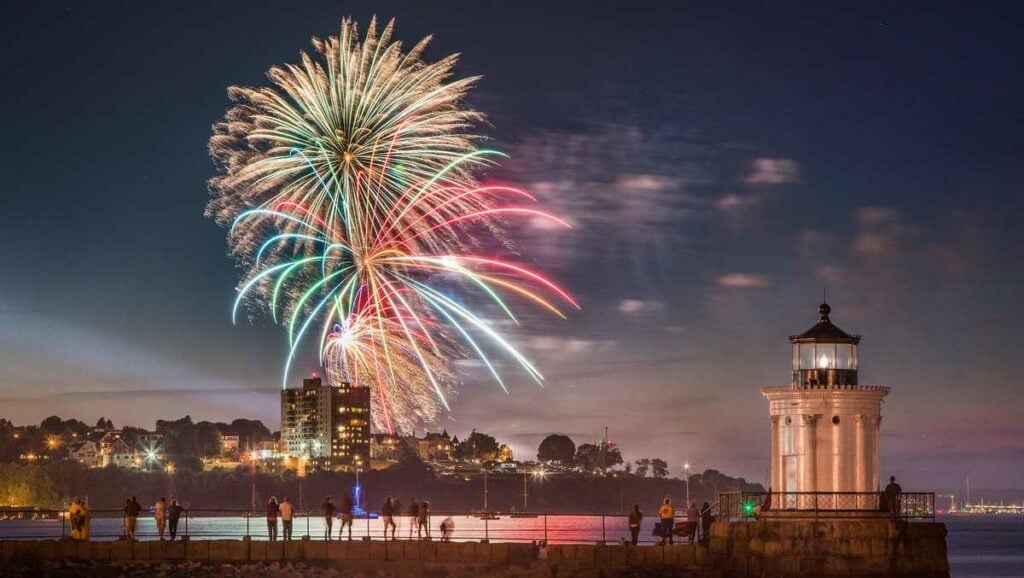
{"x":848,"y":547}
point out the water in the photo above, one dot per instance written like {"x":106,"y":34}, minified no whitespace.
{"x":978,"y":545}
{"x":985,"y":545}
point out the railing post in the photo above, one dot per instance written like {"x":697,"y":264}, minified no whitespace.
{"x":545,"y":528}
{"x":487,"y":534}
{"x":186,"y":523}
{"x":604,"y":537}
{"x":247,"y":535}
{"x":308,"y":535}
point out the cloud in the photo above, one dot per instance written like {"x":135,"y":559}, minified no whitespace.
{"x":740,"y":212}
{"x":881,"y":230}
{"x":568,"y":346}
{"x":639,"y":306}
{"x":743,"y":280}
{"x":874,"y":216}
{"x":630,"y":192}
{"x":777,"y":171}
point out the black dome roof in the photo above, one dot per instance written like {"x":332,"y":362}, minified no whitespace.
{"x":824,"y":330}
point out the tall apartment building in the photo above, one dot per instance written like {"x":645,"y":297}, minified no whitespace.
{"x":328,"y":425}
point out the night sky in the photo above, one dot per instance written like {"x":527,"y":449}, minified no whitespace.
{"x":720,"y":165}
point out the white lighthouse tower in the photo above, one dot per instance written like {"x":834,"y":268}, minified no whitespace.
{"x":825,"y":426}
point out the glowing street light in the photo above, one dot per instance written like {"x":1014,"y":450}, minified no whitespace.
{"x":53,"y":442}
{"x":169,"y":467}
{"x":686,"y":471}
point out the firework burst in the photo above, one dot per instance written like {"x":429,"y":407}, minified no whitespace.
{"x":350,"y":192}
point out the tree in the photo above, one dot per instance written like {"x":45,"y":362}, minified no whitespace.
{"x":611,"y":456}
{"x":249,"y":431}
{"x":208,"y":439}
{"x":557,"y":448}
{"x":587,"y":457}
{"x":629,"y":468}
{"x":52,"y":426}
{"x":478,"y":446}
{"x":659,"y":468}
{"x":643,"y":465}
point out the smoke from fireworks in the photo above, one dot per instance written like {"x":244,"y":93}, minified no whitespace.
{"x":350,"y":194}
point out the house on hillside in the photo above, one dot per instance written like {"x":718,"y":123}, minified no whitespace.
{"x":116,"y":452}
{"x":86,"y":453}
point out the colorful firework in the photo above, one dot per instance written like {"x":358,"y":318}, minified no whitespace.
{"x":359,"y":233}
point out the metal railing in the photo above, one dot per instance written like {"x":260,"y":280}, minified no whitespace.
{"x":907,"y":506}
{"x":475,"y":526}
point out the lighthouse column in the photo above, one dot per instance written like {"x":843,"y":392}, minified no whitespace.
{"x":775,"y":480}
{"x":875,"y":484}
{"x":866,"y":456}
{"x":808,"y":454}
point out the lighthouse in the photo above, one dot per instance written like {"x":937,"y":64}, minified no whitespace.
{"x":824,"y":424}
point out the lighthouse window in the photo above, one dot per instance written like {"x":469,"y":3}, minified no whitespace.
{"x":825,"y":356}
{"x":846,"y":356}
{"x":789,"y":420}
{"x":835,"y":419}
{"x":806,"y":356}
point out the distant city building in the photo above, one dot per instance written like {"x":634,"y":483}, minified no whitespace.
{"x":229,"y":445}
{"x":328,"y":425}
{"x":350,"y":443}
{"x":387,"y":447}
{"x":86,"y":453}
{"x":115,"y":452}
{"x":306,"y":419}
{"x":435,"y":447}
{"x":824,"y":425}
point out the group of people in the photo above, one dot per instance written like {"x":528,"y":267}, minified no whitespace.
{"x":667,"y":527}
{"x":418,"y":512}
{"x":166,"y":518}
{"x":80,"y":517}
{"x":165,"y":515}
{"x":419,"y":519}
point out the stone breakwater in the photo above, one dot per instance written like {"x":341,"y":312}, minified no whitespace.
{"x":196,"y":558}
{"x":829,"y":548}
{"x":765,"y":548}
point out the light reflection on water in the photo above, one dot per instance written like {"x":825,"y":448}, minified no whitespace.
{"x":555,"y":529}
{"x":977,"y":545}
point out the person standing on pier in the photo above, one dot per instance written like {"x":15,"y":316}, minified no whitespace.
{"x":77,"y":519}
{"x":706,"y":519}
{"x":346,"y":516}
{"x":287,"y":511}
{"x":131,"y":517}
{"x":329,"y":510}
{"x":160,"y":516}
{"x":173,"y":514}
{"x":447,"y":529}
{"x":423,"y":520}
{"x":272,"y":511}
{"x":387,"y":516}
{"x":893,"y":491}
{"x":635,"y":518}
{"x":414,"y":516}
{"x":667,"y":515}
{"x":692,"y":521}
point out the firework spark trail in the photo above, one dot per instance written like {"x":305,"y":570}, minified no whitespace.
{"x":350,"y":192}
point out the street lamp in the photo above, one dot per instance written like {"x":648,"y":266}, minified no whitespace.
{"x":686,"y":471}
